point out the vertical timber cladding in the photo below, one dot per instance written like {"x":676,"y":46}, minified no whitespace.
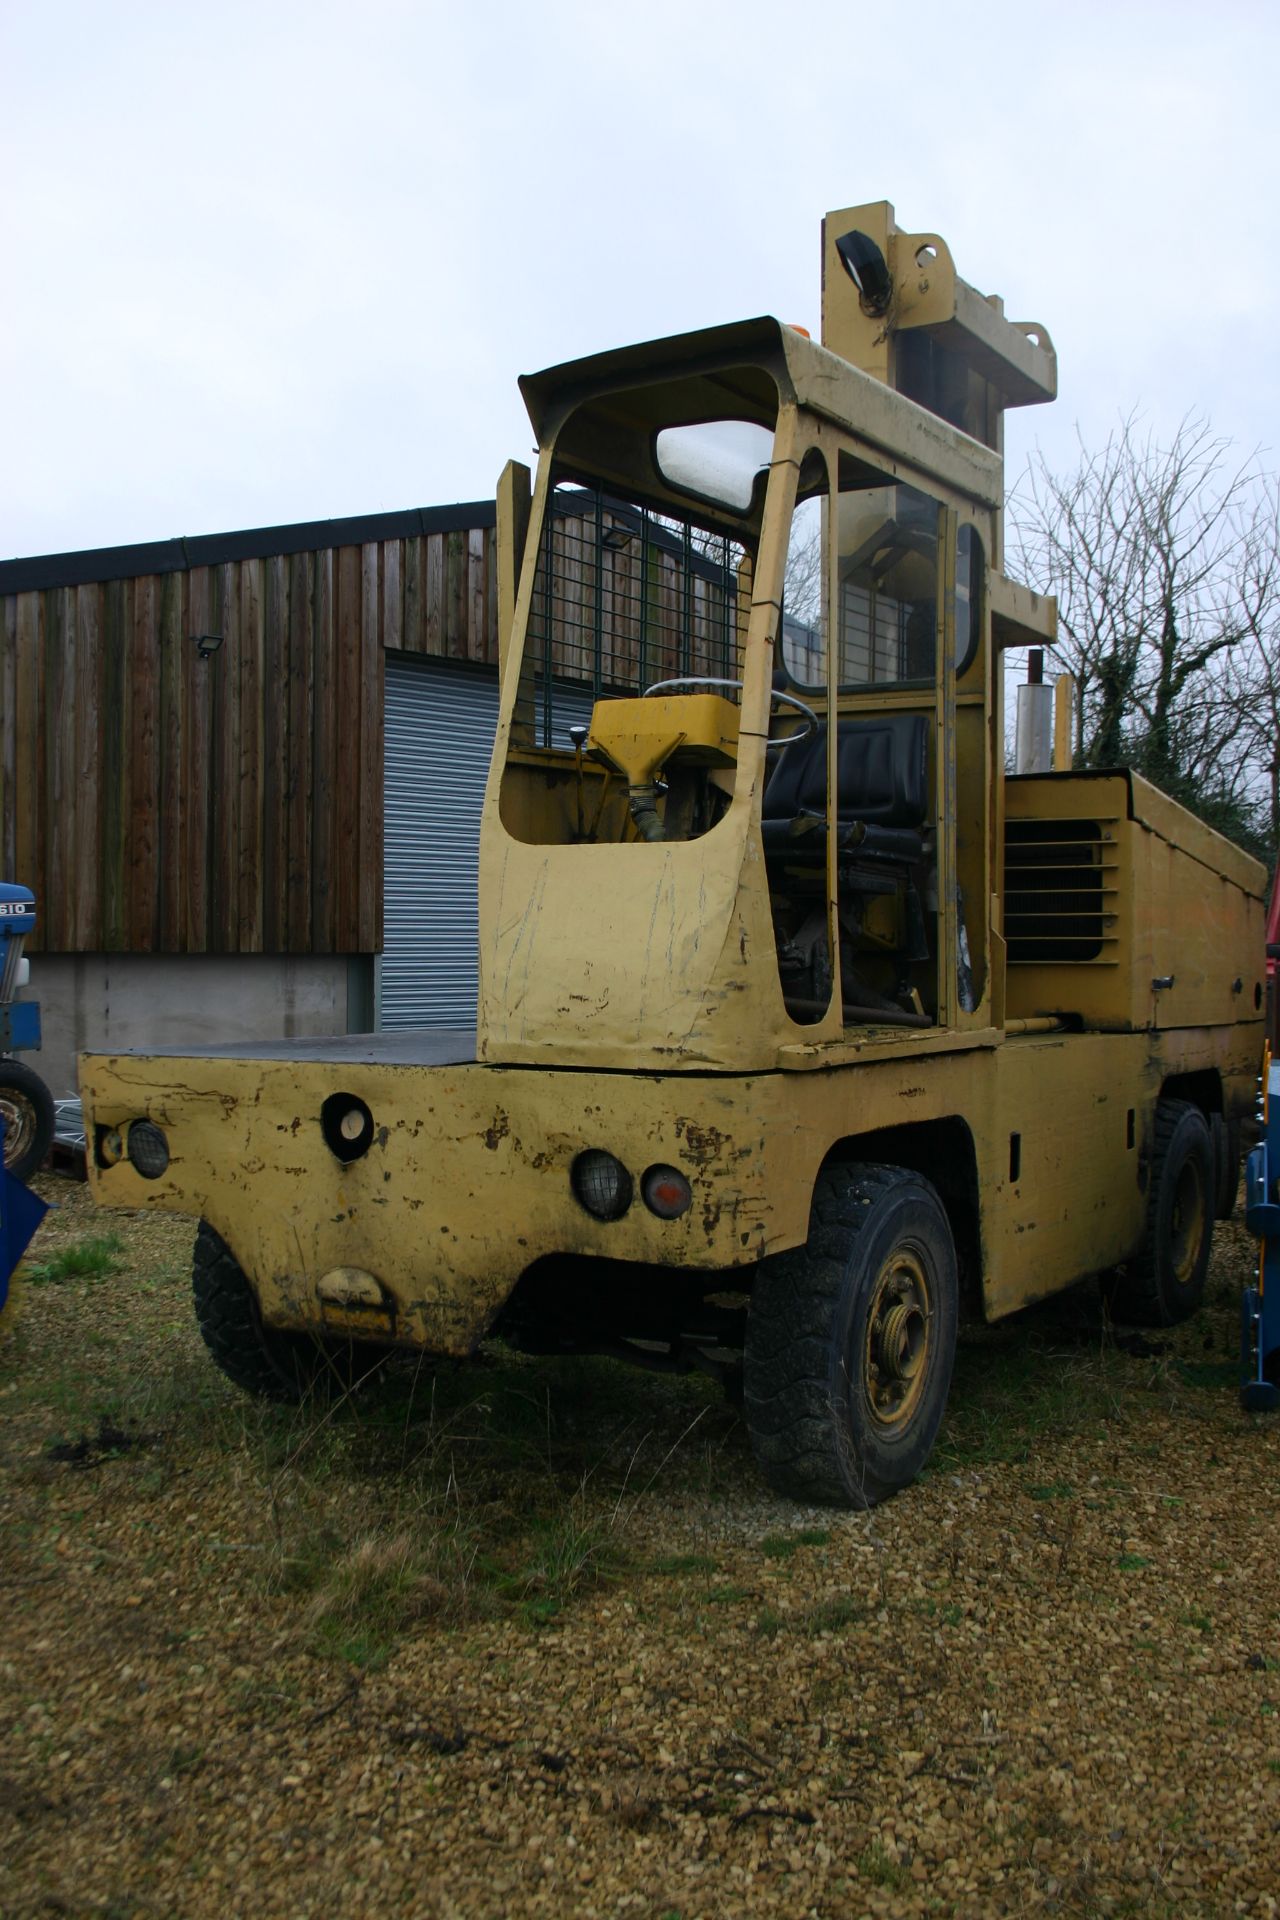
{"x":192,"y":748}
{"x":191,"y":751}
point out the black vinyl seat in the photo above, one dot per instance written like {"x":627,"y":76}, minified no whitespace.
{"x":882,"y":793}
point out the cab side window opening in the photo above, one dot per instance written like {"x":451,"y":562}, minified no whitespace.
{"x":804,"y":601}
{"x":794,"y":811}
{"x":882,"y":581}
{"x":625,"y":597}
{"x":887,"y":605}
{"x":888,"y":571}
{"x":971,"y":569}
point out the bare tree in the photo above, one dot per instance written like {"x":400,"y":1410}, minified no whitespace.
{"x":1166,"y":565}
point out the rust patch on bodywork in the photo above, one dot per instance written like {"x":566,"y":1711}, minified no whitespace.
{"x":705,"y":1143}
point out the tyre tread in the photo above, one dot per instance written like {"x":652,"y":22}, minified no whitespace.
{"x":1136,"y":1291}
{"x":229,"y":1323}
{"x":793,"y":1425}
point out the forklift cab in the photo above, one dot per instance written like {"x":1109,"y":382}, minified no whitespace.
{"x":744,"y":796}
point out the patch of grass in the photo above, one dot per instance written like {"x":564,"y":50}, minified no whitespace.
{"x":152,"y":1390}
{"x":1131,"y":1562}
{"x":684,"y":1563}
{"x":566,"y":1552}
{"x":369,"y":1593}
{"x":1029,"y":1376}
{"x":781,"y":1546}
{"x":1209,"y":1374}
{"x":878,"y":1866}
{"x":826,"y":1617}
{"x":304,"y":1555}
{"x":727,"y":1596}
{"x":1053,"y":1490}
{"x":830,"y":1616}
{"x":70,"y":1392}
{"x":86,"y":1259}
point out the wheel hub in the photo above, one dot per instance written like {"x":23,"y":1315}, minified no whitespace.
{"x":902,"y":1342}
{"x":19,"y":1126}
{"x":896,"y":1353}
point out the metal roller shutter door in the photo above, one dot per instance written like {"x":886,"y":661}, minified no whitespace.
{"x":439,"y":734}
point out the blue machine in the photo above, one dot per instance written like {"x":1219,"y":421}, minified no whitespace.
{"x":21,"y":1212}
{"x":26,"y":1104}
{"x":1260,"y":1309}
{"x":19,"y":1019}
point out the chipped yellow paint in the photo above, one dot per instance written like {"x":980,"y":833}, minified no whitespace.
{"x":468,"y":1180}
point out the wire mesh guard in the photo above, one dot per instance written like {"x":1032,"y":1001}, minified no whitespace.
{"x":623,"y":597}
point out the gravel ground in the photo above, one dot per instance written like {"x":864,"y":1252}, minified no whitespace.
{"x":531,"y":1638}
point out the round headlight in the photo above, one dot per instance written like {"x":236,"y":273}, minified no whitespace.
{"x":601,"y":1184}
{"x":147,"y":1149}
{"x":666,"y":1192}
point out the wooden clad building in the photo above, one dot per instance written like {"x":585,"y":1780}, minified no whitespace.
{"x":192,"y":741}
{"x":191,"y":744}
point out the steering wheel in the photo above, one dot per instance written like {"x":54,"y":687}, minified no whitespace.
{"x":777,"y":697}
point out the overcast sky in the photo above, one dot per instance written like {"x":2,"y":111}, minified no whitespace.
{"x":267,"y":262}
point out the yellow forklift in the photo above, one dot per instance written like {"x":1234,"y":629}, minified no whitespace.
{"x":801,"y":1025}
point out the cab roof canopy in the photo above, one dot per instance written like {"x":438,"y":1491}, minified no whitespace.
{"x":603,"y":412}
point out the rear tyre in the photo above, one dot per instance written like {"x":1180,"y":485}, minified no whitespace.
{"x":1225,"y":1135}
{"x":1163,"y":1283}
{"x":26,"y":1107}
{"x":262,"y":1360}
{"x":851,"y":1341}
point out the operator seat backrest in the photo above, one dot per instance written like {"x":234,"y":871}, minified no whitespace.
{"x":882,"y":773}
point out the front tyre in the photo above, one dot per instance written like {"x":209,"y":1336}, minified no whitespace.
{"x":851,"y":1340}
{"x":26,"y":1108}
{"x":264,"y":1361}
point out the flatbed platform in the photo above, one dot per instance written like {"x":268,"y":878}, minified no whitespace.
{"x":401,"y":1047}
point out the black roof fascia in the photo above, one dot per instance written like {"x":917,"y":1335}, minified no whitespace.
{"x":256,"y":543}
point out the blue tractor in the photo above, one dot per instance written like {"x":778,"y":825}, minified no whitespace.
{"x":26,"y":1104}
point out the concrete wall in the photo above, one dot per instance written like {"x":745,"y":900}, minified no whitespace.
{"x":94,"y":1002}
